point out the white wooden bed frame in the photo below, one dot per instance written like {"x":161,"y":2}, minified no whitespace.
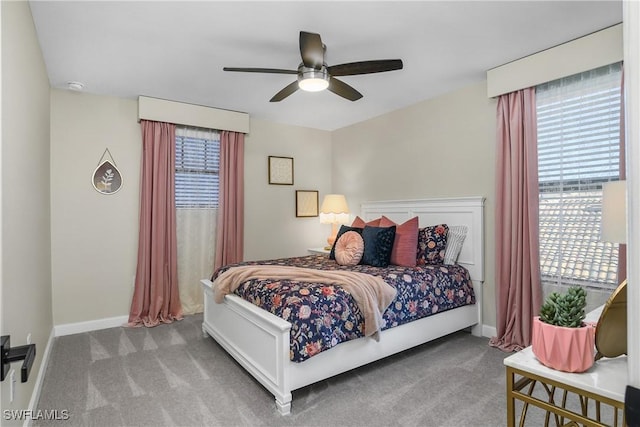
{"x":259,"y":340}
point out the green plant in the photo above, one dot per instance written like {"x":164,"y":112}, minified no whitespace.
{"x":565,"y":309}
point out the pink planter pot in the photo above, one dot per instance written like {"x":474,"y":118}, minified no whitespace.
{"x":564,"y":349}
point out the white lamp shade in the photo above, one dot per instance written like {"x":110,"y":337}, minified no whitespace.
{"x":614,"y":212}
{"x":334,"y":209}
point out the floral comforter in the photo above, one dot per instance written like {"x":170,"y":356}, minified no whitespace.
{"x":322,"y":315}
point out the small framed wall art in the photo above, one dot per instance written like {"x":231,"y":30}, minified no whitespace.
{"x":306,"y":203}
{"x":280,"y":170}
{"x":106,"y":178}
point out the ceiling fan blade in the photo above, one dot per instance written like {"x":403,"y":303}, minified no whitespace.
{"x":344,"y":90}
{"x":365,"y":67}
{"x":311,"y":50}
{"x":261,"y":70}
{"x":288,"y":90}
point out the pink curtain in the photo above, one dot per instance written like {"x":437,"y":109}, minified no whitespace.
{"x":518,"y":288}
{"x":155,"y":298}
{"x":230,"y":226}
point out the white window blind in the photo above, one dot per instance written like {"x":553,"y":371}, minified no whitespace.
{"x":578,"y":150}
{"x":197,"y":168}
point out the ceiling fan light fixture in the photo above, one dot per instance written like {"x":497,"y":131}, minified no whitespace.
{"x":314,"y":75}
{"x":312,"y":80}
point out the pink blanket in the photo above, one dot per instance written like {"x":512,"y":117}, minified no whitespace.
{"x":372,"y":294}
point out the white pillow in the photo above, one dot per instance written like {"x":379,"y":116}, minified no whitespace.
{"x":455,"y":239}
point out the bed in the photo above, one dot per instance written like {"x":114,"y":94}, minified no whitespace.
{"x":260,"y":341}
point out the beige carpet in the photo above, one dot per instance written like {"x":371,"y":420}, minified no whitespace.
{"x":171,"y":375}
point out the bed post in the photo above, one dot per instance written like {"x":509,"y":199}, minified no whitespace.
{"x":205,"y":334}
{"x":284,"y":406}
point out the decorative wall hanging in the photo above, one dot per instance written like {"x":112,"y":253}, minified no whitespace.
{"x":306,"y":203}
{"x":280,"y":170}
{"x":106,"y":177}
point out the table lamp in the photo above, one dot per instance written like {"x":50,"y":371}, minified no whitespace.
{"x":611,"y":330}
{"x":334,"y":211}
{"x":614,"y":213}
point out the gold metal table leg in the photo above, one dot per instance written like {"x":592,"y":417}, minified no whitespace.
{"x":511,"y":416}
{"x":523,"y":390}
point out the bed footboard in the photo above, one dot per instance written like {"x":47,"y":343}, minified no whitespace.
{"x":256,"y":339}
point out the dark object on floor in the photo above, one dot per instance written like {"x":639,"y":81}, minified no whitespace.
{"x":632,"y":406}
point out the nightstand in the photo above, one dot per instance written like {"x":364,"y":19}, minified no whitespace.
{"x":604,"y":383}
{"x":318,"y":251}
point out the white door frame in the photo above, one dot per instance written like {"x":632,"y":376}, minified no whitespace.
{"x":631,"y":37}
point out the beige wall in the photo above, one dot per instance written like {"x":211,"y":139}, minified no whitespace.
{"x":26,"y":252}
{"x":94,"y":237}
{"x":271,"y":227}
{"x":408,"y":153}
{"x":437,"y":148}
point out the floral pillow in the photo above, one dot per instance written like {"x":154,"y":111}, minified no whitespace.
{"x":349,"y":248}
{"x":432,"y":243}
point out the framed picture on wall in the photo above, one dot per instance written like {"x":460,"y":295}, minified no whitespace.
{"x":280,"y":170}
{"x":106,"y":177}
{"x":306,"y":203}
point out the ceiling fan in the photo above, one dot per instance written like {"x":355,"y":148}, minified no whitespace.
{"x":315,"y":75}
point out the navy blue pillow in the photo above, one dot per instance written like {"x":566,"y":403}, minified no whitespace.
{"x":343,"y":229}
{"x":378,"y":244}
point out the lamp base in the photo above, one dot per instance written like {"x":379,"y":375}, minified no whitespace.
{"x":332,"y":238}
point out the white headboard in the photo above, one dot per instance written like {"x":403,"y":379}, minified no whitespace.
{"x":451,"y":211}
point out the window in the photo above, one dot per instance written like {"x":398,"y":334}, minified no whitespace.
{"x":196,"y":193}
{"x":197,"y":168}
{"x":578,"y":151}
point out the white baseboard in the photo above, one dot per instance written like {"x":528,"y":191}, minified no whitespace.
{"x":90,"y":325}
{"x":37,"y":387}
{"x":489,"y":331}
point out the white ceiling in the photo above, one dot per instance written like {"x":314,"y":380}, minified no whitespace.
{"x":176,"y":50}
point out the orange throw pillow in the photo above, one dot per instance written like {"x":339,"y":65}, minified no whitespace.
{"x":359,"y":222}
{"x":405,"y":245}
{"x":349,"y":248}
